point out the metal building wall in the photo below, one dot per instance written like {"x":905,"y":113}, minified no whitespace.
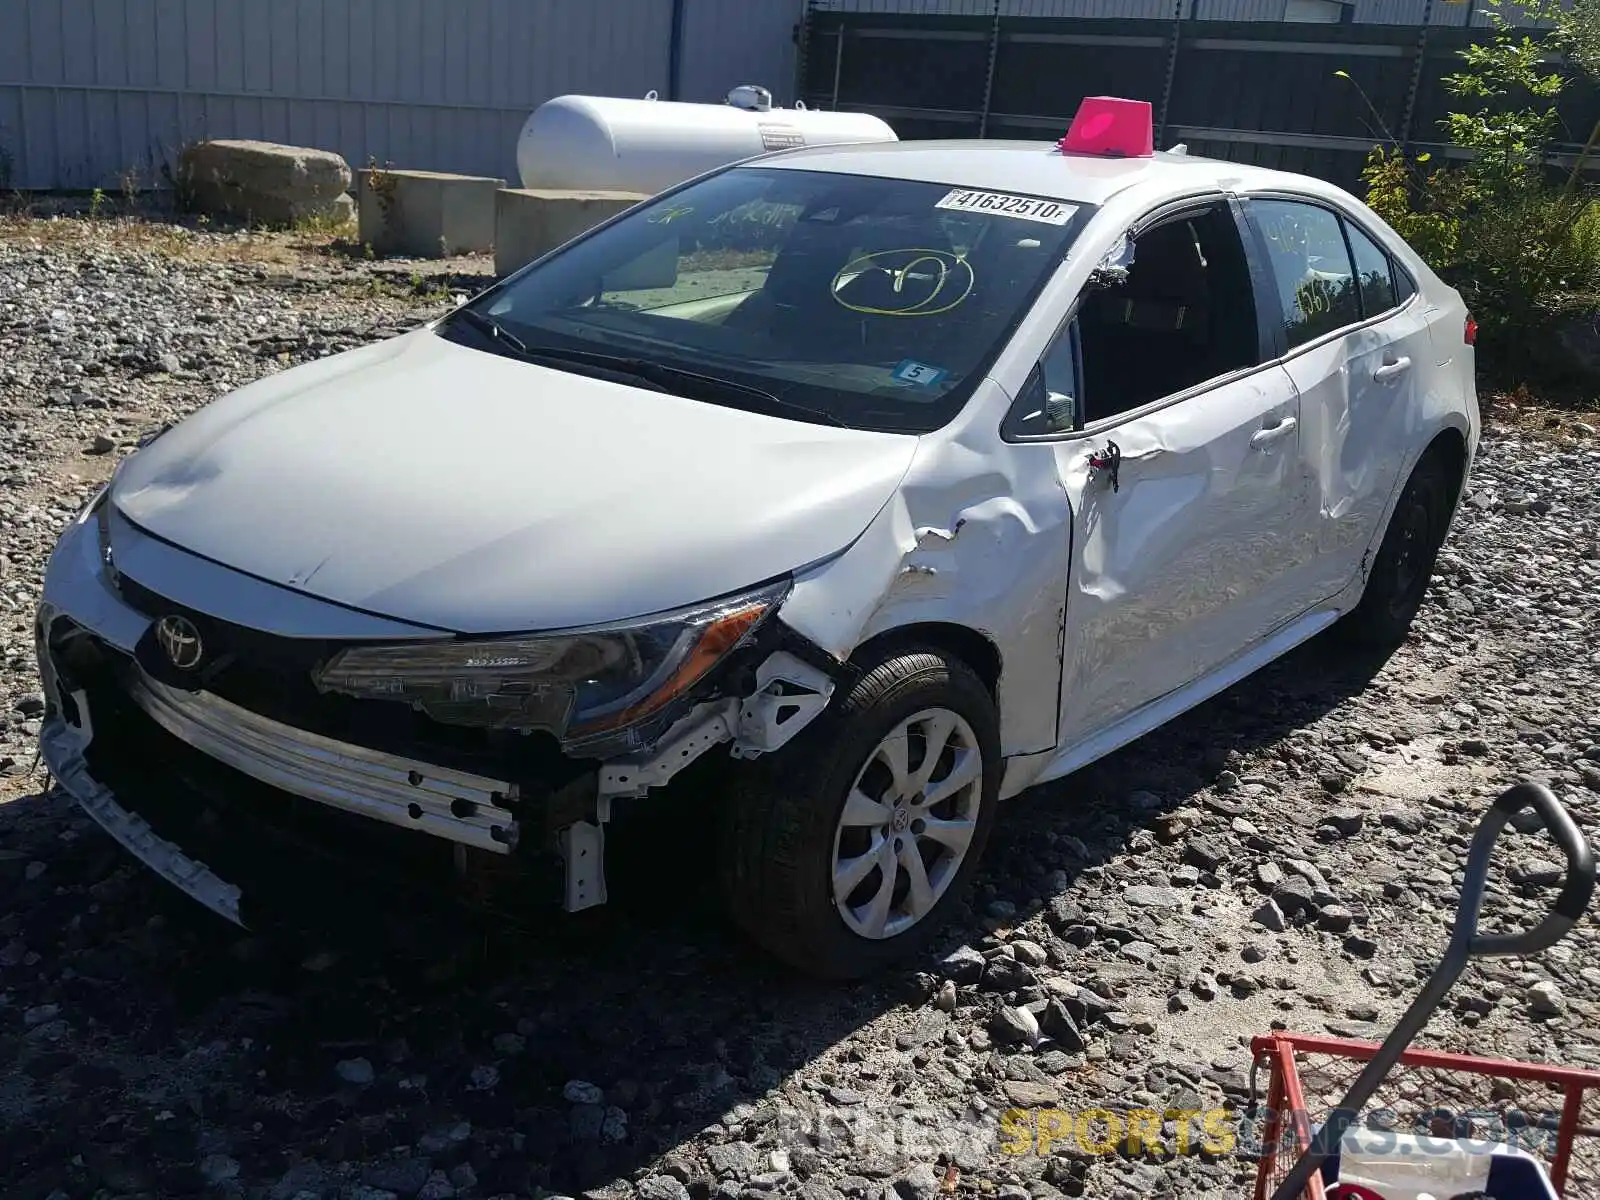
{"x":729,"y":42}
{"x":90,"y":89}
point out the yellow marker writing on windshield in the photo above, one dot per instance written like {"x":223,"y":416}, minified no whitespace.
{"x":952,"y":280}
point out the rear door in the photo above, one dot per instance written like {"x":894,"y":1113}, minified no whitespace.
{"x":1355,"y":338}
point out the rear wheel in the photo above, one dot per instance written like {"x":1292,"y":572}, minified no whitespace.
{"x":843,"y":852}
{"x":1404,"y":566}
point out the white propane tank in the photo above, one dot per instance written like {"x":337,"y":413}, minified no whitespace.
{"x":606,"y":143}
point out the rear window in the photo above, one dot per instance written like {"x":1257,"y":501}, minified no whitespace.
{"x":879,"y":302}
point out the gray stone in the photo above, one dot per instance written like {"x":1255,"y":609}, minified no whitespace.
{"x":733,"y":1160}
{"x":1027,"y":1094}
{"x":1270,"y":916}
{"x":1006,"y":975}
{"x":580,"y":1091}
{"x":1537,"y":872}
{"x":1402,"y":820}
{"x":357,"y":1071}
{"x":1064,"y":913}
{"x":964,"y":965}
{"x":1346,"y":822}
{"x":1295,"y":897}
{"x":661,"y":1187}
{"x":1057,"y":1023}
{"x":1011,"y":1026}
{"x":930,"y":1026}
{"x":1545,"y":999}
{"x":1057,"y":1062}
{"x":1335,"y":918}
{"x":402,"y":1176}
{"x":1030,"y":953}
{"x":921,"y":1182}
{"x":1141,"y":896}
{"x":1206,"y":853}
{"x":264,"y":183}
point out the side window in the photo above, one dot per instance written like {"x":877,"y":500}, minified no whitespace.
{"x":1183,"y":313}
{"x":1374,"y":273}
{"x":1404,"y":286}
{"x":1310,"y":264}
{"x":1049,"y":400}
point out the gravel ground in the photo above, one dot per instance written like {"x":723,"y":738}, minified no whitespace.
{"x":1287,"y":856}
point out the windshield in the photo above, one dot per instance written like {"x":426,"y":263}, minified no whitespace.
{"x":874,"y":303}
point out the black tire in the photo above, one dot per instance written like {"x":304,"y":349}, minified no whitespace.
{"x":777,"y":844}
{"x":1404,"y":565}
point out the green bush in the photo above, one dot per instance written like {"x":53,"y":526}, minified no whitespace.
{"x":1521,"y":242}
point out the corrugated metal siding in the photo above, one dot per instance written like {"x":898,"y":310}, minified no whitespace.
{"x":1089,"y":9}
{"x":1239,"y":10}
{"x":729,"y":42}
{"x":90,"y":89}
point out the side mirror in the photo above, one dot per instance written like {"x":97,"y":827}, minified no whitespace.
{"x":655,"y":268}
{"x":1060,"y":412}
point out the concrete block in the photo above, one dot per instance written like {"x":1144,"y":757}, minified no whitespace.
{"x":424,"y":214}
{"x":266,"y":183}
{"x":529,"y":222}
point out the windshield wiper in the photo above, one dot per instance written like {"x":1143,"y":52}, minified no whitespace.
{"x":493,"y":328}
{"x":679,"y":380}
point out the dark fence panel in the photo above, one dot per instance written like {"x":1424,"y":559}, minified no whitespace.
{"x":1264,"y":92}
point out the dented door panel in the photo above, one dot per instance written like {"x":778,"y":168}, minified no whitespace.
{"x":1192,"y":557}
{"x":1364,"y":397}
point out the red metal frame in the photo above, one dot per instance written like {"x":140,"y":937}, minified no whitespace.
{"x":1284,"y":1094}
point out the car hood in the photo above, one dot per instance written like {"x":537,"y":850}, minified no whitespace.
{"x":452,"y":487}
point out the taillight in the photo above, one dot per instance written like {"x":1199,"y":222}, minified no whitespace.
{"x":1470,"y":334}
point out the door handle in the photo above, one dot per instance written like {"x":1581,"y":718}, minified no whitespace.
{"x":1272,"y":433}
{"x":1392,"y":369}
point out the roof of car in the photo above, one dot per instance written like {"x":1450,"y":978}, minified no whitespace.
{"x":1032,"y":168}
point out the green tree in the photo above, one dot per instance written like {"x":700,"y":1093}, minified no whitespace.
{"x":1516,"y":238}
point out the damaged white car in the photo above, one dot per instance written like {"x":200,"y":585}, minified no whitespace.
{"x":901,"y":478}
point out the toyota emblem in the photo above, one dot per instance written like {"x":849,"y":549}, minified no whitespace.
{"x":180,"y":641}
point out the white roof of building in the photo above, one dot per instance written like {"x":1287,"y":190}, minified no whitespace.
{"x":1035,"y":168}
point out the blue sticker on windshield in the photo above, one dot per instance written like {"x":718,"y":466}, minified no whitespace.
{"x":919,"y":374}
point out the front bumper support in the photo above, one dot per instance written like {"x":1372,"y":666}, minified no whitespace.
{"x":461,"y":807}
{"x":62,"y":745}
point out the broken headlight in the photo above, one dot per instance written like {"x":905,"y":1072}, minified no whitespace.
{"x":578,"y":685}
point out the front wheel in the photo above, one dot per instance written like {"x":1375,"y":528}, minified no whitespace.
{"x":843,"y":852}
{"x":1404,"y":565}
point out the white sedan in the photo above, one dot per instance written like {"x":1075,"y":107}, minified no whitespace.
{"x":892,"y":480}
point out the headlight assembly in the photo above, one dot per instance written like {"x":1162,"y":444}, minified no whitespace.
{"x":580,"y":685}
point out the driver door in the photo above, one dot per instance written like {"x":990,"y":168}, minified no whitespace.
{"x":1181,"y":462}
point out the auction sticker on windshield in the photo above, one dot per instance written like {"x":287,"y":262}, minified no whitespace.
{"x":1027,"y":208}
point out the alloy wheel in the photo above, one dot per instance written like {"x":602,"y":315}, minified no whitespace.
{"x":907,"y":823}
